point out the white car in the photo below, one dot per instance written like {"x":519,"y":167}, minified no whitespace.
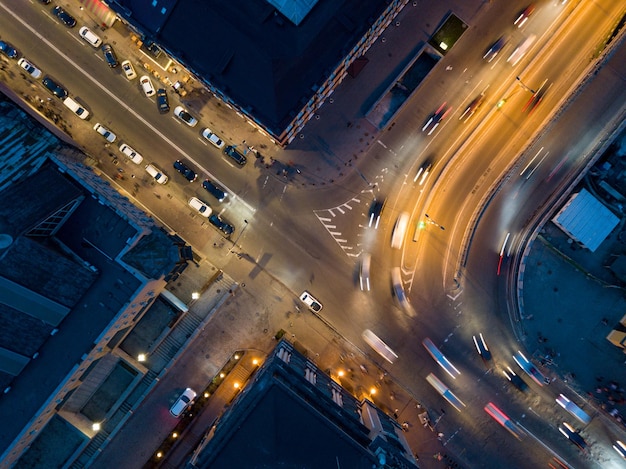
{"x":156,"y":174}
{"x":129,"y":70}
{"x":147,"y":86}
{"x":364,"y":271}
{"x":399,"y":230}
{"x":214,"y":139}
{"x":184,"y":116}
{"x":202,"y":208}
{"x":90,"y":36}
{"x":183,"y":401}
{"x":106,"y":133}
{"x":311,"y":302}
{"x":131,"y":154}
{"x":30,"y":68}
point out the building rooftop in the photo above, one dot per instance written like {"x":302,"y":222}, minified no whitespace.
{"x":266,"y":63}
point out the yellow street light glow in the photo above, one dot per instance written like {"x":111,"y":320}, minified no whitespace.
{"x":236,"y":385}
{"x":159,"y":455}
{"x":95,"y":426}
{"x":255,"y":362}
{"x":340,"y":373}
{"x":237,"y":357}
{"x":141,"y":357}
{"x":174,"y":435}
{"x":372,"y":391}
{"x":222,"y":375}
{"x":195,"y":295}
{"x":206,"y":395}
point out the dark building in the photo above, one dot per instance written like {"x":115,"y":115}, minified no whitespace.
{"x":291,"y":414}
{"x":274,"y":61}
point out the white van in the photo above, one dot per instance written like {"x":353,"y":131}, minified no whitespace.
{"x":156,"y":173}
{"x":377,"y":344}
{"x":90,"y":37}
{"x":397,"y":236}
{"x":76,"y":108}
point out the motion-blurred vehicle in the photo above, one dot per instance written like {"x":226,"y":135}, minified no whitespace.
{"x":504,"y":420}
{"x":620,"y":447}
{"x":523,"y":16}
{"x":29,"y":67}
{"x":481,"y":347}
{"x":573,"y":409}
{"x":572,"y":435}
{"x":399,"y":230}
{"x":472,"y":107}
{"x":364,"y":271}
{"x":379,"y":346}
{"x":375,"y":211}
{"x":530,"y":369}
{"x":445,"y":392}
{"x":495,"y":49}
{"x":436,"y":118}
{"x":397,"y":287}
{"x":515,"y":379}
{"x":521,"y":50}
{"x":440,"y":358}
{"x":311,"y":302}
{"x":202,"y":208}
{"x":423,"y":172}
{"x":536,"y":98}
{"x":183,"y":401}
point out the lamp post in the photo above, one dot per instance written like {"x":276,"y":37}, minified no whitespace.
{"x":524,"y":86}
{"x":239,"y":236}
{"x":432,"y":222}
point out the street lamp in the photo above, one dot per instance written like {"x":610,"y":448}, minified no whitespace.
{"x":524,"y":86}
{"x":239,"y":236}
{"x":430,"y":221}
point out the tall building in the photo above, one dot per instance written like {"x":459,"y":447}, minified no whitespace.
{"x":291,"y":414}
{"x":276,"y":62}
{"x":79,"y":268}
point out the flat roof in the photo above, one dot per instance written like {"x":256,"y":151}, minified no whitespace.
{"x":253,"y":54}
{"x":586,"y":219}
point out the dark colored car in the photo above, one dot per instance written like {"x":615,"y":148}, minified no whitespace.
{"x":515,"y":379}
{"x":46,"y":2}
{"x":8,"y":50}
{"x":109,"y":55}
{"x":185,"y":170}
{"x":235,"y":155}
{"x":572,"y":435}
{"x":221,"y":225}
{"x":495,"y":49}
{"x":215,"y":190}
{"x":67,"y":19}
{"x":162,"y":102}
{"x":54,"y":87}
{"x":376,"y":209}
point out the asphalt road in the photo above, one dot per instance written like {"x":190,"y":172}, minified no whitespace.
{"x":287,"y":236}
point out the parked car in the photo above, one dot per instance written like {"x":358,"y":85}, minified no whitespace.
{"x":8,"y":50}
{"x":212,"y":138}
{"x":215,"y":190}
{"x":90,"y":36}
{"x":311,"y":302}
{"x":65,"y":18}
{"x":201,"y":207}
{"x":129,"y":70}
{"x":54,"y":87}
{"x":147,"y":86}
{"x":232,"y":153}
{"x":221,"y":225}
{"x":183,"y":401}
{"x":106,"y":133}
{"x":76,"y":108}
{"x":131,"y":154}
{"x":29,"y":67}
{"x":109,"y":55}
{"x":184,"y":116}
{"x":163,"y":102}
{"x":156,"y":173}
{"x":185,"y":170}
